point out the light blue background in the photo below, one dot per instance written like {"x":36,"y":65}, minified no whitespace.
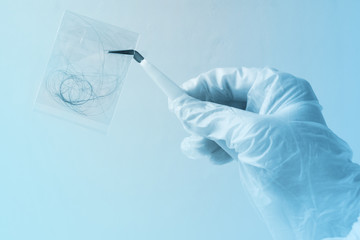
{"x":61,"y":181}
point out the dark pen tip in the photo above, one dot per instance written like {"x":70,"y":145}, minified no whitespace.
{"x":127,"y":52}
{"x":136,"y":55}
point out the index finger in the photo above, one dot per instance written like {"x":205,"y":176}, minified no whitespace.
{"x":228,"y":86}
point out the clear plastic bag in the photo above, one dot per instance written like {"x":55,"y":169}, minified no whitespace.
{"x":82,"y":81}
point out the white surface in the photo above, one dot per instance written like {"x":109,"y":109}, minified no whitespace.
{"x":61,"y":181}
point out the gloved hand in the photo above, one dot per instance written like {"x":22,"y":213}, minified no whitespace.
{"x":297,"y":171}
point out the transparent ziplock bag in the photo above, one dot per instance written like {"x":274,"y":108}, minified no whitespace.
{"x":82,"y":82}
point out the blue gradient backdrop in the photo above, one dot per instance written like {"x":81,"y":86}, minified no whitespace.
{"x":62,"y":181}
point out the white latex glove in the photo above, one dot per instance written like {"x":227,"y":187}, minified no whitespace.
{"x":297,"y":171}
